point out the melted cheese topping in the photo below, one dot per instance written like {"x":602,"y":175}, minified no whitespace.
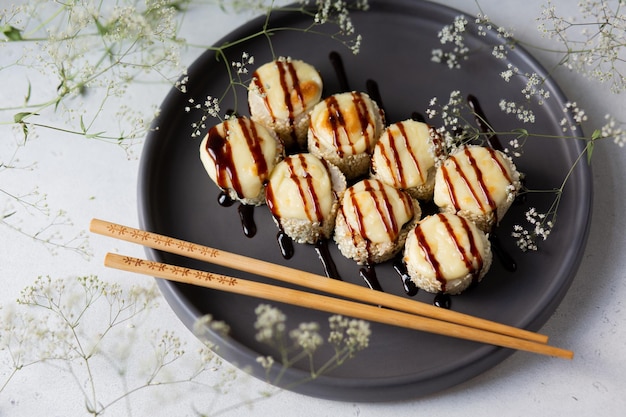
{"x":402,"y":156}
{"x":349,"y":123}
{"x":376,"y":211}
{"x":475,"y":179}
{"x":285,"y":88}
{"x":239,"y":154}
{"x":445,"y":247}
{"x":300,"y":187}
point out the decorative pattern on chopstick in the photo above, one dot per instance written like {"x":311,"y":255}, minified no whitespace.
{"x":304,"y":279}
{"x":327,"y":304}
{"x":177,"y":271}
{"x":160,"y":241}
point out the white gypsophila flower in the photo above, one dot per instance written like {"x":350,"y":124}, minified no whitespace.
{"x":210,"y":108}
{"x":611,"y":129}
{"x":358,"y":335}
{"x":534,"y":89}
{"x":507,"y":75}
{"x":454,"y":35}
{"x":206,"y":324}
{"x":450,"y":112}
{"x":519,"y":111}
{"x":523,"y":239}
{"x":307,"y":337}
{"x":511,"y":193}
{"x":514,"y":148}
{"x":499,"y":51}
{"x":270,"y":323}
{"x":350,"y":335}
{"x":541,"y":226}
{"x":337,"y":12}
{"x":577,"y":114}
{"x":483,"y":24}
{"x":241,"y":66}
{"x":266,"y":362}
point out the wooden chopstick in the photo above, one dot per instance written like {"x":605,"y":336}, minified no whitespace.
{"x":304,"y":279}
{"x":326,"y":303}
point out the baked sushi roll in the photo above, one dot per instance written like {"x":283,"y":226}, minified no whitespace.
{"x":303,"y":194}
{"x":343,"y":130}
{"x":478,"y":183}
{"x":239,"y":155}
{"x":373,"y":221}
{"x":446,"y":253}
{"x":404,"y":157}
{"x":281,"y":95}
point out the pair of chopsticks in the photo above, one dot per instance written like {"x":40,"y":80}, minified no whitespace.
{"x":400,"y":311}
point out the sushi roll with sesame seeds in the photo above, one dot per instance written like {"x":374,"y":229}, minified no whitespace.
{"x":478,"y":183}
{"x":303,"y":194}
{"x":446,"y":253}
{"x":404,"y":157}
{"x":373,"y":221}
{"x":344,"y":129}
{"x":281,"y":95}
{"x":239,"y":155}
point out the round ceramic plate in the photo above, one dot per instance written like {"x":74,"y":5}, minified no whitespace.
{"x":177,"y":198}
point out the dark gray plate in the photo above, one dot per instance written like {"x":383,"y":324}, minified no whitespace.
{"x":177,"y":198}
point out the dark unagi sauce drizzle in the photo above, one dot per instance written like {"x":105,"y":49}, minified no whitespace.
{"x":340,"y":71}
{"x":418,"y":117}
{"x":336,"y":123}
{"x":368,"y":274}
{"x":285,"y":243}
{"x":483,"y":123}
{"x":481,"y":181}
{"x":442,"y":300}
{"x":330,"y":269}
{"x":374,"y":93}
{"x":224,"y":200}
{"x":246,"y":214}
{"x":504,"y":257}
{"x":409,"y":287}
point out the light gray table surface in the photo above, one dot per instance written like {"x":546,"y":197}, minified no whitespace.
{"x":92,"y":179}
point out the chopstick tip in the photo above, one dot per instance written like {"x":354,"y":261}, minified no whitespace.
{"x":92,"y":224}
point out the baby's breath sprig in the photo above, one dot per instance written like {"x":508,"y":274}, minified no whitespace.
{"x":335,"y":13}
{"x":347,"y":336}
{"x":88,"y":47}
{"x":598,"y":52}
{"x":72,"y":324}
